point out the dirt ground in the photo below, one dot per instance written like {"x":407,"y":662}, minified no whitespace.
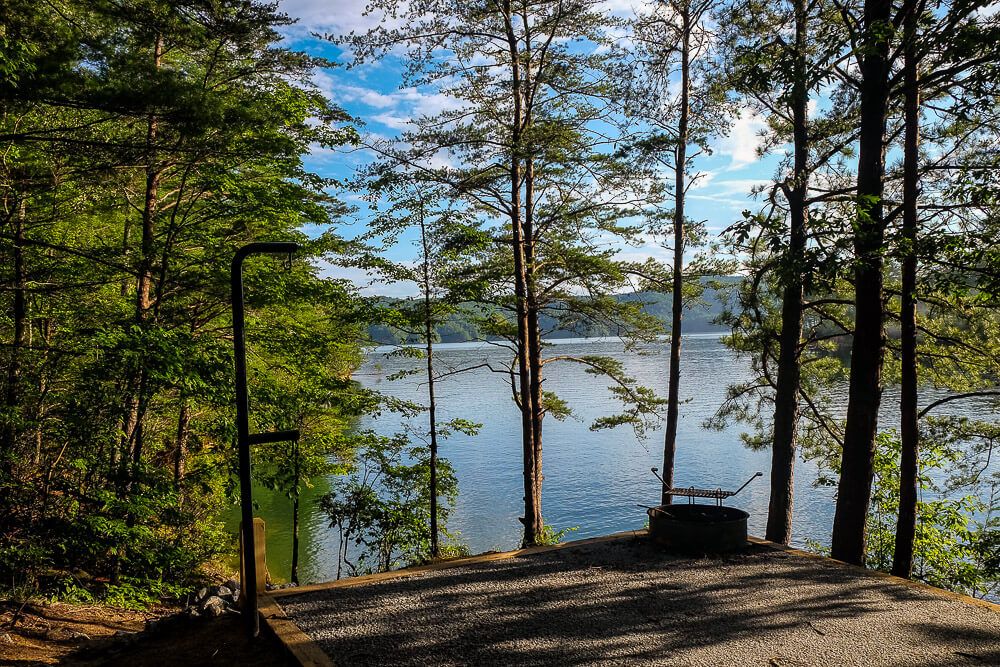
{"x":85,"y":636}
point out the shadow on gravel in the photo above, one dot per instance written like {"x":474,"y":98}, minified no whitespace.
{"x":616,"y":602}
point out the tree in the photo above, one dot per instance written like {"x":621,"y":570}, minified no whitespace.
{"x":868,"y":343}
{"x":906,"y":525}
{"x":672,"y":40}
{"x":877,"y":84}
{"x":143,"y":143}
{"x":927,"y":36}
{"x":303,"y":360}
{"x":381,"y":508}
{"x":527,"y":153}
{"x":780,"y":59}
{"x":446,"y":238}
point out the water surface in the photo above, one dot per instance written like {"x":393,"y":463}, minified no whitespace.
{"x":593,"y":480}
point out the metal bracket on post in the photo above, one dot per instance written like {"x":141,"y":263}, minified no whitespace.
{"x":243,"y":436}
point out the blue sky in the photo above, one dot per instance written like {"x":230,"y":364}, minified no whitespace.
{"x":374,"y":94}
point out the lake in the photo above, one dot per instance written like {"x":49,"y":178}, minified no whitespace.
{"x":593,"y":480}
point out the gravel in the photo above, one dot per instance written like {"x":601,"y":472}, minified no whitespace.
{"x":625,"y":602}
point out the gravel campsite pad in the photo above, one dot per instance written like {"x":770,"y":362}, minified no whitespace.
{"x":625,"y":602}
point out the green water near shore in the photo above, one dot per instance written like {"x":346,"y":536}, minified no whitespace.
{"x":276,"y":510}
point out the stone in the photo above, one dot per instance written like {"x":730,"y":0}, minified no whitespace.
{"x":201,"y":594}
{"x":224,"y":592}
{"x":232,"y":585}
{"x":214,"y":610}
{"x":213,"y":606}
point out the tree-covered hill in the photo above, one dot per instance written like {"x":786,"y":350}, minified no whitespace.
{"x":462,"y":326}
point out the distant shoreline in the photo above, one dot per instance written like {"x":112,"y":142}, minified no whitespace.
{"x":476,"y":344}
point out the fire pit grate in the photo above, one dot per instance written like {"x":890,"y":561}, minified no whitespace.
{"x":693,"y":492}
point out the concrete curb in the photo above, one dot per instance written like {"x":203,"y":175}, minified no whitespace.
{"x":298,"y":644}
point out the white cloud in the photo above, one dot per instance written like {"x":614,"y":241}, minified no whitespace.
{"x":367,"y":284}
{"x":989,"y":11}
{"x":735,"y":186}
{"x":370,"y":97}
{"x":333,"y":16}
{"x":396,"y":108}
{"x":702,"y":179}
{"x":742,"y":141}
{"x":392,"y":120}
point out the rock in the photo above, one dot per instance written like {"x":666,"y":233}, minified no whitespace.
{"x":232,"y":585}
{"x":224,"y":592}
{"x":236,"y":596}
{"x":192,"y":612}
{"x":126,"y":637}
{"x":201,"y":594}
{"x":79,"y":637}
{"x":214,"y":610}
{"x":213,"y":606}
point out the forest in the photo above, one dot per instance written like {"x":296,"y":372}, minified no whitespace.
{"x":549,"y":193}
{"x":461,"y":325}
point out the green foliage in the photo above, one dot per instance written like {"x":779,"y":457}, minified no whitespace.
{"x":551,"y":536}
{"x":142,"y":143}
{"x":957,"y":537}
{"x":381,"y":509}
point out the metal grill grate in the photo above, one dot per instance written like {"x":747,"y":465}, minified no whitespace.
{"x":693,"y":492}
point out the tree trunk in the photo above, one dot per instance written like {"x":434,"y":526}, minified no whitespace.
{"x":45,"y":329}
{"x":149,"y":209}
{"x":132,"y":427}
{"x":532,"y":501}
{"x":786,"y":405}
{"x":677,"y":305}
{"x":431,"y":400}
{"x":868,"y":346}
{"x":19,"y":340}
{"x":180,"y":445}
{"x":295,"y":512}
{"x":534,"y":337}
{"x":906,"y":526}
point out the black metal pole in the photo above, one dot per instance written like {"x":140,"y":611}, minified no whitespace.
{"x":249,"y":592}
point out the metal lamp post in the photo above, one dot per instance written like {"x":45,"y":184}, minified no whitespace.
{"x":244,"y":439}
